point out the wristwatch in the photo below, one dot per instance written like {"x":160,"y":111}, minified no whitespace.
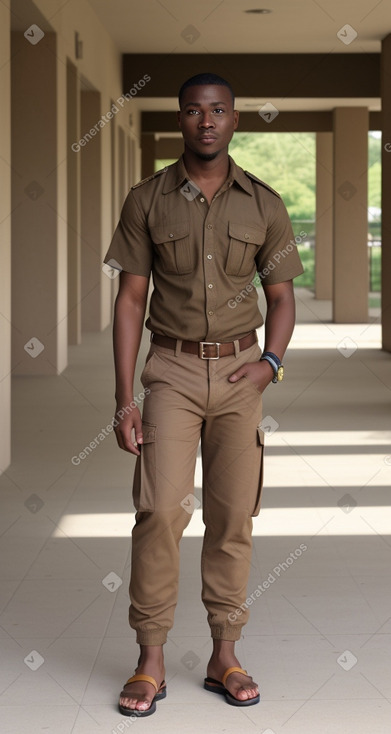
{"x":275,"y":363}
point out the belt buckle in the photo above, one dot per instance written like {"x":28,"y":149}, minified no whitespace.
{"x":201,"y":348}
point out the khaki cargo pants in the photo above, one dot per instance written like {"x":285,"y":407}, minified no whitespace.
{"x":191,"y":399}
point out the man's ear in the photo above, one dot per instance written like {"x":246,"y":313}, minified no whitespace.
{"x":236,"y":119}
{"x":178,"y":117}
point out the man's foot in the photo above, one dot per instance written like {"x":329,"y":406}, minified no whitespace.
{"x":139,"y":695}
{"x":240,"y":686}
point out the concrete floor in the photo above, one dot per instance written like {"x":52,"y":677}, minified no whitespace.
{"x":319,"y":637}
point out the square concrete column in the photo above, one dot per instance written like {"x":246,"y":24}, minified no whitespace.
{"x":91,"y":212}
{"x":39,"y":268}
{"x":324,"y":217}
{"x":386,"y":192}
{"x":73,"y":206}
{"x":350,"y":296}
{"x":5,"y":239}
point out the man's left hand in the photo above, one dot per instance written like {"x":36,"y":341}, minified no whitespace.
{"x":259,"y":373}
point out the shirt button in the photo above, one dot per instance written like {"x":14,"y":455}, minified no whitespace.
{"x":209,"y":226}
{"x":171,"y":234}
{"x":209,"y":257}
{"x":202,"y":199}
{"x":246,"y":236}
{"x":210,"y":285}
{"x":210,"y":313}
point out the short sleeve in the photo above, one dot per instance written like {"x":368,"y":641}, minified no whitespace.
{"x":131,"y":247}
{"x":278,"y":259}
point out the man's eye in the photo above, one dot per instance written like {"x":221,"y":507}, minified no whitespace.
{"x":218,"y":109}
{"x":192,"y":112}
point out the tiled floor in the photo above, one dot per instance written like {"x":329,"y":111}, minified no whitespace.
{"x":319,"y":637}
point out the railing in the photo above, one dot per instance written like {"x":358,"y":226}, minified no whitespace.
{"x":307,"y":252}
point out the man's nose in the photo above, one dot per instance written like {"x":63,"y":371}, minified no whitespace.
{"x":206,"y":121}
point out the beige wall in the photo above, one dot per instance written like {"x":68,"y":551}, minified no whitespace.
{"x":99,"y":69}
{"x":5,"y":238}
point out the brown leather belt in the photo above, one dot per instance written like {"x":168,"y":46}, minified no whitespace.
{"x":206,"y":350}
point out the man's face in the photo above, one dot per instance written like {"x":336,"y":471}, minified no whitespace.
{"x":207,"y":119}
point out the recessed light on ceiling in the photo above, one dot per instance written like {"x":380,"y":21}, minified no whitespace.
{"x":258,"y":11}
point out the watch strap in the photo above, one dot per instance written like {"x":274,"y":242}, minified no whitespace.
{"x":274,"y":362}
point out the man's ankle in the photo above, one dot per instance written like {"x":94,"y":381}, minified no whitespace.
{"x":151,"y":653}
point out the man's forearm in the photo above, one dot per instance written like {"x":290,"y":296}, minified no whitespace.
{"x":127,"y":330}
{"x":279,"y":324}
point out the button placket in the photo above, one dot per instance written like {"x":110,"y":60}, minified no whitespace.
{"x":210,"y":271}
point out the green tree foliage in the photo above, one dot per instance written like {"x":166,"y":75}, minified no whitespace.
{"x":285,"y":161}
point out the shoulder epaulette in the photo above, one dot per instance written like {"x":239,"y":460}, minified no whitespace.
{"x":149,"y":178}
{"x":258,"y":180}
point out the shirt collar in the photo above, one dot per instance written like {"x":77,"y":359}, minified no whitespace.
{"x":237,"y":174}
{"x":177,"y":175}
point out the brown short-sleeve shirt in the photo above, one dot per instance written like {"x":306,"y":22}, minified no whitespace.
{"x":203,"y":258}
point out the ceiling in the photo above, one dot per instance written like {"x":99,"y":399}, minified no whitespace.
{"x":222,"y":26}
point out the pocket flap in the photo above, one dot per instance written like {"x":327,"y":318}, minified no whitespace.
{"x":169,"y":232}
{"x":149,"y":433}
{"x":246,"y":234}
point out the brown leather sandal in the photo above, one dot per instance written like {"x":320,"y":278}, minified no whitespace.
{"x":161,"y":692}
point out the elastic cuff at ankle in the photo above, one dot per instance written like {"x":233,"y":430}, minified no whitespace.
{"x":230,"y":632}
{"x":152,"y":637}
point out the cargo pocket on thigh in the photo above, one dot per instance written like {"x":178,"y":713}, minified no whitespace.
{"x":144,"y":482}
{"x":261,"y":443}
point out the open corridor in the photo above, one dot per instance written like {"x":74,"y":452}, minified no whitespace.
{"x":319,"y":637}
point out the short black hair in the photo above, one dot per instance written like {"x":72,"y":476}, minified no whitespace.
{"x":203,"y":79}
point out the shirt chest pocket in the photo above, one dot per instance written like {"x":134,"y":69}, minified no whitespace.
{"x":244,"y":243}
{"x":172,"y":246}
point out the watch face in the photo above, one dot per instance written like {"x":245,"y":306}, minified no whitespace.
{"x":280,"y":373}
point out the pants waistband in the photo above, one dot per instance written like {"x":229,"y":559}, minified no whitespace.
{"x":206,"y":350}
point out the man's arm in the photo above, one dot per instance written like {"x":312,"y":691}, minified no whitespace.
{"x":129,"y":316}
{"x":279,"y":324}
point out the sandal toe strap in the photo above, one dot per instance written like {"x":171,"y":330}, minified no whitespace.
{"x":142,"y":677}
{"x":232,"y":670}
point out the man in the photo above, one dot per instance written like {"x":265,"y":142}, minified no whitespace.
{"x":203,"y":227}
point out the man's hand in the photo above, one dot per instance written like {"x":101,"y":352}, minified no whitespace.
{"x":129,"y":430}
{"x":279,"y":323}
{"x":259,"y":373}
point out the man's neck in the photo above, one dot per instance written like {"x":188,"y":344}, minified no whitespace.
{"x":206,"y":170}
